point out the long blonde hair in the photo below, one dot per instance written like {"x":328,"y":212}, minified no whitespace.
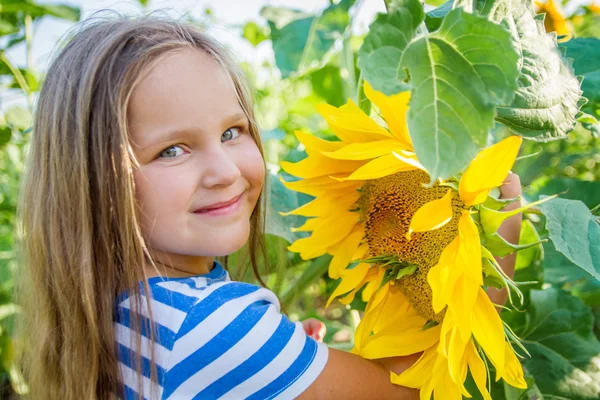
{"x":81,"y":242}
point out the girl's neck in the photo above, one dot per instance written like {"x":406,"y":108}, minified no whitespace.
{"x":179,"y":266}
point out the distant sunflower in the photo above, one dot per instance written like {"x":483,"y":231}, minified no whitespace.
{"x":415,"y":250}
{"x":555,"y":20}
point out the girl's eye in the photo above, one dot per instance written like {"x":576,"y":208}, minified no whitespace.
{"x":230,"y":134}
{"x":172,"y":152}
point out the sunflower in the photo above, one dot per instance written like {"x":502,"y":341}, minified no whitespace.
{"x":419,"y":252}
{"x":555,"y":20}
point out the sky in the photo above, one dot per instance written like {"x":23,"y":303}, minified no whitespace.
{"x":230,"y":16}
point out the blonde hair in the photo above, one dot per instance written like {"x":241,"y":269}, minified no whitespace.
{"x":81,"y":242}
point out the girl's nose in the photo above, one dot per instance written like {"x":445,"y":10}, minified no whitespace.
{"x":219,"y":170}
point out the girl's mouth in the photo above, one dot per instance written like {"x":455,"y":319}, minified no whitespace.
{"x":222,"y":208}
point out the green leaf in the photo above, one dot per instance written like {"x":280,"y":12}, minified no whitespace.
{"x":565,"y":354}
{"x":434,"y":18}
{"x":327,"y":83}
{"x":458,"y":74}
{"x":61,"y":11}
{"x":301,"y":39}
{"x":559,"y":270}
{"x":281,"y":198}
{"x":318,"y":268}
{"x":569,"y":188}
{"x":528,"y":256}
{"x":491,"y":219}
{"x":586,"y":62}
{"x":547,"y":102}
{"x":379,"y":57}
{"x":7,"y":27}
{"x":19,"y":117}
{"x":498,"y":246}
{"x":254,"y":33}
{"x":575,"y":233}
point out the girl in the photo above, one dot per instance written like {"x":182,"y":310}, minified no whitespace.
{"x":145,"y":165}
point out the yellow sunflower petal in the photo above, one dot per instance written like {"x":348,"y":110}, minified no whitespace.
{"x":456,"y":355}
{"x":400,"y":314}
{"x":365,"y":327}
{"x":372,"y":286}
{"x":409,"y":158}
{"x":403,"y":342}
{"x":513,"y":372}
{"x":432,"y":215}
{"x":351,"y":124}
{"x":378,"y":168}
{"x":478,"y":370}
{"x":326,"y":205}
{"x":343,"y":255}
{"x":314,"y":144}
{"x":350,"y":280}
{"x":347,"y":299}
{"x":488,"y":170}
{"x":419,"y":373}
{"x":363,"y":151}
{"x":462,"y":303}
{"x":393,"y":110}
{"x":320,"y":185}
{"x":317,"y":165}
{"x":447,"y":389}
{"x":469,"y":252}
{"x":441,"y":278}
{"x":308,"y":226}
{"x":489,"y":331}
{"x":328,"y":232}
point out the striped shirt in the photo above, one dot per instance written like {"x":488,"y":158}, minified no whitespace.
{"x":217,"y":339}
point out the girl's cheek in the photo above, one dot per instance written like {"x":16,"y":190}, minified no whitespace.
{"x":253,"y":167}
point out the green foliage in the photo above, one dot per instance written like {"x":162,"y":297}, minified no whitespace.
{"x":585,"y":53}
{"x":557,"y":330}
{"x":254,"y":33}
{"x":301,"y":39}
{"x":456,"y":80}
{"x":548,"y":100}
{"x":474,"y":77}
{"x":575,"y":233}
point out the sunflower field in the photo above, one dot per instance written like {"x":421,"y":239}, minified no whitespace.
{"x":386,"y":146}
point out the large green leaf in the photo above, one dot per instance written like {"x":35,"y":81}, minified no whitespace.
{"x":565,"y":354}
{"x":548,"y":100}
{"x":559,"y":270}
{"x":586,"y":62}
{"x":381,"y":53}
{"x":586,"y":191}
{"x":300,"y":39}
{"x":575,"y":233}
{"x":458,"y":74}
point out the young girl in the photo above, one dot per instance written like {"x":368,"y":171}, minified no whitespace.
{"x":145,"y":165}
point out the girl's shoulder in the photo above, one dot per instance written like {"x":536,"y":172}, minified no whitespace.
{"x":218,"y":337}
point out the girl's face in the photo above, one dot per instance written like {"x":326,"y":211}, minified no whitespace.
{"x":191,"y":137}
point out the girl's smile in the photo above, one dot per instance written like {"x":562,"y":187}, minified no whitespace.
{"x":221,"y":208}
{"x":200,"y":171}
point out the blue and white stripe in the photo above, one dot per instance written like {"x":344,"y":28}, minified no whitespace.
{"x":217,"y":339}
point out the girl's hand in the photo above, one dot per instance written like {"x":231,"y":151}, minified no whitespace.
{"x":511,"y":187}
{"x":314,"y":328}
{"x":510,"y":230}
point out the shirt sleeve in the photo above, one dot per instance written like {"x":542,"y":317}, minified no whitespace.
{"x":236,"y":344}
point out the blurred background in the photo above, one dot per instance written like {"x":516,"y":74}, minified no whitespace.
{"x":291,"y":73}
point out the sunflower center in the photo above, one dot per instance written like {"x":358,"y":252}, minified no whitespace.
{"x":387,"y":206}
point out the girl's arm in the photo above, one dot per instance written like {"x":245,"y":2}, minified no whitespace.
{"x":348,"y":376}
